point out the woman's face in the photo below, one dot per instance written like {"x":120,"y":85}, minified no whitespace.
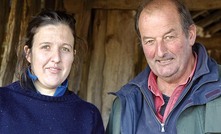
{"x":51,"y":56}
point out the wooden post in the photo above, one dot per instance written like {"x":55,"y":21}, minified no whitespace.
{"x":10,"y":43}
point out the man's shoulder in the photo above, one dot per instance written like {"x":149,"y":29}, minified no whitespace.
{"x":212,"y":115}
{"x":128,"y":90}
{"x":215,"y":102}
{"x":137,"y":82}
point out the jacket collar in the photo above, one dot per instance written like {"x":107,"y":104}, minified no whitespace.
{"x":206,"y":70}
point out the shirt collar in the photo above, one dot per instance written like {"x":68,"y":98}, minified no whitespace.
{"x":60,"y":89}
{"x":152,"y":79}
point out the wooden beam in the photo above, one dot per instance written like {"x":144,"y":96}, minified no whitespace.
{"x":213,"y":29}
{"x":132,"y":4}
{"x":210,"y":43}
{"x":193,"y":5}
{"x":198,"y":13}
{"x":76,"y":6}
{"x":210,"y":19}
{"x":115,"y":4}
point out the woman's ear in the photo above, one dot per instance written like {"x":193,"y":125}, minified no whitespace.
{"x":27,"y":53}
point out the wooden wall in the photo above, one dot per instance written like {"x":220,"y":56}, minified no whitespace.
{"x":113,"y":55}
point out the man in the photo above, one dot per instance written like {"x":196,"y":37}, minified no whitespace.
{"x":179,"y":91}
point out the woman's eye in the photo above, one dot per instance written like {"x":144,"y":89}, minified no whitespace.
{"x":65,"y":49}
{"x":46,"y":47}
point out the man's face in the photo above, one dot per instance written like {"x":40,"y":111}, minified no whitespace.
{"x":167,"y":49}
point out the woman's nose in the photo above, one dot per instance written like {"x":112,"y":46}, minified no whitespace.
{"x":56,"y":56}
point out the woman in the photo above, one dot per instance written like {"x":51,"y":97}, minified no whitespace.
{"x":40,"y":101}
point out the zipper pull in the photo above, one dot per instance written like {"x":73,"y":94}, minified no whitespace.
{"x":162,"y":128}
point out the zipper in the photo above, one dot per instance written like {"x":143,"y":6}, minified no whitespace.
{"x":181,"y":98}
{"x":162,"y":125}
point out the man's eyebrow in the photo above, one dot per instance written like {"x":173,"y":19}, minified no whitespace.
{"x":145,"y":37}
{"x":170,"y":31}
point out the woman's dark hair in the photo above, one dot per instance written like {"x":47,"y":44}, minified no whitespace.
{"x":45,"y":17}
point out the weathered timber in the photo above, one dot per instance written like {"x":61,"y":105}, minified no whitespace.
{"x":97,"y":58}
{"x":210,"y":43}
{"x":210,"y":19}
{"x":214,"y":28}
{"x":120,"y":55}
{"x":196,"y":14}
{"x":79,"y":74}
{"x":133,"y":4}
{"x":10,"y":43}
{"x":5,"y":7}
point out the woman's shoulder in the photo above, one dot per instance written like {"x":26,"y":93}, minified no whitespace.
{"x":87,"y":105}
{"x":9,"y":87}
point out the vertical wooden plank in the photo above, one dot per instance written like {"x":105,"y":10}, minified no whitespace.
{"x":50,"y":4}
{"x":59,"y":5}
{"x":33,"y":7}
{"x":95,"y":76}
{"x":29,"y":9}
{"x":18,"y":17}
{"x":216,"y":54}
{"x":75,"y":6}
{"x":120,"y":49}
{"x":10,"y":43}
{"x":79,"y":75}
{"x":5,"y":7}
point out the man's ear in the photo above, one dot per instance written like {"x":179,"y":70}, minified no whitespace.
{"x":192,"y":34}
{"x":27,"y":53}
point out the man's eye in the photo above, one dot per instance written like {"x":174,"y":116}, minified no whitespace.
{"x":169,"y":37}
{"x":148,"y":42}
